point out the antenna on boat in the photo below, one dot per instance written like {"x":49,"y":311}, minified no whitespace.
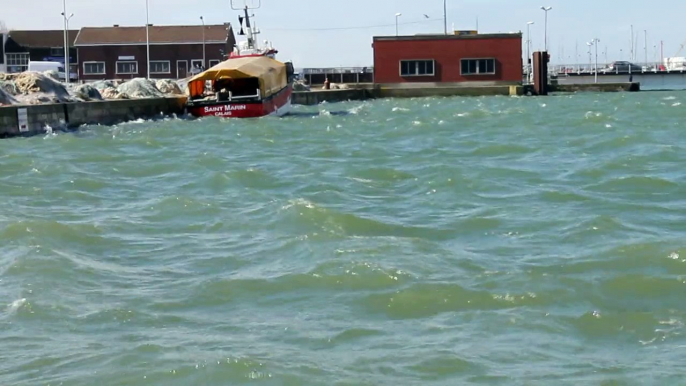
{"x":249,"y":31}
{"x":246,"y":4}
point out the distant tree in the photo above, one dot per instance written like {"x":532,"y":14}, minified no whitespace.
{"x":3,"y":27}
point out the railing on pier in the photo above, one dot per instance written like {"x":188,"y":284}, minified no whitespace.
{"x":338,"y":75}
{"x":618,"y":68}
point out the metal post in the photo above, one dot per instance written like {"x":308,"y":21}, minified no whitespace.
{"x":147,"y":33}
{"x":546,"y":32}
{"x":204,"y":60}
{"x":66,"y":43}
{"x":631,"y":58}
{"x":645,"y":48}
{"x":528,"y":51}
{"x":445,"y":16}
{"x":662,"y":52}
{"x":546,"y":9}
{"x":397,"y":15}
{"x":595,"y":42}
{"x":606,"y":62}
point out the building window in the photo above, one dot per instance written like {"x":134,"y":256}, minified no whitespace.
{"x":417,"y":68}
{"x":57,"y":51}
{"x":94,"y":68}
{"x":477,"y":67}
{"x":160,"y":67}
{"x":214,"y":62}
{"x":197,"y":63}
{"x":17,"y":59}
{"x":17,"y":62}
{"x":127,"y":68}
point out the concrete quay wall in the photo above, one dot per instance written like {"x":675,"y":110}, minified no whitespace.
{"x":597,"y":87}
{"x":316,"y":97}
{"x":71,"y":115}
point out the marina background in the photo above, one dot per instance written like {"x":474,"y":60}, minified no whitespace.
{"x":338,"y":34}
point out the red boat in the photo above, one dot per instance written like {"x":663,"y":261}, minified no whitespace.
{"x":247,"y":87}
{"x":250,"y":84}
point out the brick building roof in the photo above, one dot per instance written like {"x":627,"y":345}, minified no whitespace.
{"x":97,"y":36}
{"x":42,"y":39}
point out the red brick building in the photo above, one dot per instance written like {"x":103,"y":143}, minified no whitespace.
{"x":493,"y":58}
{"x":121,"y":52}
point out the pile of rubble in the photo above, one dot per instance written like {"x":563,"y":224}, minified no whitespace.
{"x":137,"y":88}
{"x":38,"y":88}
{"x":32,"y":88}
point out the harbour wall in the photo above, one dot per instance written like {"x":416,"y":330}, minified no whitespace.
{"x":362,"y":92}
{"x":71,"y":115}
{"x":315,"y":97}
{"x":596,"y":87}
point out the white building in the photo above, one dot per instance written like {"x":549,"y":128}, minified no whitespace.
{"x":675,"y":64}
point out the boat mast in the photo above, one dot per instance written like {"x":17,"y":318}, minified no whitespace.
{"x":632,"y":43}
{"x":251,"y":37}
{"x":251,"y":32}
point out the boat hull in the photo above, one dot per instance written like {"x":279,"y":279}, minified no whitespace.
{"x":278,"y":104}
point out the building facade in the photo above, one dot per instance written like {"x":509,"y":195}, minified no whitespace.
{"x":175,"y":51}
{"x":3,"y":38}
{"x":20,"y":47}
{"x":495,"y":58}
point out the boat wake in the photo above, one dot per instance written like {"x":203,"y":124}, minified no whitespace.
{"x":312,"y":114}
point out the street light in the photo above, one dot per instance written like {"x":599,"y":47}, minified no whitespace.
{"x":397,"y":15}
{"x":594,"y":42}
{"x":445,"y":16}
{"x":546,"y":9}
{"x":203,"y":42}
{"x":528,"y":50}
{"x":147,"y":33}
{"x":67,"y":71}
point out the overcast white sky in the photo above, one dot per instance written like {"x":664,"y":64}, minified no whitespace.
{"x":305,"y":30}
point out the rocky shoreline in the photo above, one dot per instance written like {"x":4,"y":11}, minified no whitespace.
{"x":35,"y":88}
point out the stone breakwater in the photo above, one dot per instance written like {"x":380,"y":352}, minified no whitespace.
{"x":34,"y":88}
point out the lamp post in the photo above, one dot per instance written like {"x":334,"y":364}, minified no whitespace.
{"x":546,"y":9}
{"x":445,"y":16}
{"x":67,"y":71}
{"x":147,"y":34}
{"x":397,"y":15}
{"x":202,"y":19}
{"x":528,"y":50}
{"x":594,"y":42}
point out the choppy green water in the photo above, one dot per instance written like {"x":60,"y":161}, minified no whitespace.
{"x":405,"y":242}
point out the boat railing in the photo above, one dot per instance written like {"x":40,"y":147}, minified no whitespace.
{"x":232,"y":97}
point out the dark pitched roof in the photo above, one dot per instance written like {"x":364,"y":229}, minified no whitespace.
{"x":158,"y":35}
{"x":450,"y":37}
{"x":42,"y":39}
